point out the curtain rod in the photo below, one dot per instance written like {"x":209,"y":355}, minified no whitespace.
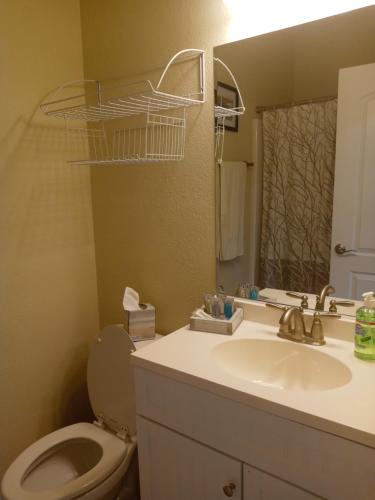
{"x":260,"y":109}
{"x":247,"y":163}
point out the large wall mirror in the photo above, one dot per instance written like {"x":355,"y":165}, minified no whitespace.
{"x":296,"y":170}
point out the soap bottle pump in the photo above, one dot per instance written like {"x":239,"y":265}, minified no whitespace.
{"x":365,"y":328}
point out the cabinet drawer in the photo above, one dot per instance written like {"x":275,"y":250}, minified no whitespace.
{"x":258,"y":485}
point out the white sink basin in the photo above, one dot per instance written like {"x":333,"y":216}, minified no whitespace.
{"x":281,"y":364}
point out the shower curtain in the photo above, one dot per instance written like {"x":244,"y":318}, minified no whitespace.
{"x":298,"y":177}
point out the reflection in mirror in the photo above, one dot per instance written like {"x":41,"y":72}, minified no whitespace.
{"x":295,"y":187}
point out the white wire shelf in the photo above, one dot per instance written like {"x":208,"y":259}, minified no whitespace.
{"x":161,"y":139}
{"x":149,"y":100}
{"x":90,"y":105}
{"x":221,"y":112}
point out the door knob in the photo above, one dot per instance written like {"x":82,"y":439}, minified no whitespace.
{"x":340,"y":249}
{"x":229,"y":489}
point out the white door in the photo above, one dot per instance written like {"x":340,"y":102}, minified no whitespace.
{"x":353,"y":225}
{"x":258,"y":485}
{"x":173,"y":467}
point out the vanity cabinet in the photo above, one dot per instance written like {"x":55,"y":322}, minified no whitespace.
{"x":193,"y":442}
{"x":174,"y":467}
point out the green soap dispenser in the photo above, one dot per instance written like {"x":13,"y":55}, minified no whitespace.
{"x":365,"y":328}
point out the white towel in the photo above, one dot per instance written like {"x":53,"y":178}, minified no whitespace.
{"x":232,"y":209}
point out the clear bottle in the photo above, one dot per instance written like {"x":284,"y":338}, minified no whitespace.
{"x":365,"y":328}
{"x":215,"y":306}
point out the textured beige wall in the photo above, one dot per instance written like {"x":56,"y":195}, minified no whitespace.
{"x":154,"y":224}
{"x":328,"y":45}
{"x":48,"y":299}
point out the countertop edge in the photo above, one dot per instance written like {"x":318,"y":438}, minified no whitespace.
{"x":265,"y":405}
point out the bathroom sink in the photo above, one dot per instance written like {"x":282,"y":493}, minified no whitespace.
{"x":281,"y":364}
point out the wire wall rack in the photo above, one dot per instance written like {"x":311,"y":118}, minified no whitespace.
{"x":159,"y":138}
{"x":222,"y":113}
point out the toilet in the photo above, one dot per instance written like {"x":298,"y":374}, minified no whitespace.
{"x":87,"y":461}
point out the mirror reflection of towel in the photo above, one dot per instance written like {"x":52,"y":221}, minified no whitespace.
{"x":232,"y":194}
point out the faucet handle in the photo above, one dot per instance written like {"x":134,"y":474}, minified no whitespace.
{"x":281,"y":307}
{"x":316,"y":336}
{"x":284,"y":328}
{"x":304,"y":298}
{"x":334,"y":303}
{"x":327,"y":315}
{"x":277,"y":306}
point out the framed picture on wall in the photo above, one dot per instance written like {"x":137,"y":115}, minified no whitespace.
{"x":227,"y":97}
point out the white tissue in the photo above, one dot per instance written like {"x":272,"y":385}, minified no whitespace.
{"x":131,"y":300}
{"x":199,"y":313}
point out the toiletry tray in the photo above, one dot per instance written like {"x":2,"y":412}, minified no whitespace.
{"x":222,"y":326}
{"x":158,"y":136}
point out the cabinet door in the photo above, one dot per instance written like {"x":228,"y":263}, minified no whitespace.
{"x":173,"y":467}
{"x":258,"y":485}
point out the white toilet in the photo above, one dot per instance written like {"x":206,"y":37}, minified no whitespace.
{"x":86,"y":461}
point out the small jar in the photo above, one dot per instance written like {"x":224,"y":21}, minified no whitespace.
{"x":254,"y":292}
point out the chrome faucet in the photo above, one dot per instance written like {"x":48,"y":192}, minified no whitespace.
{"x":320,"y":299}
{"x":292,"y":325}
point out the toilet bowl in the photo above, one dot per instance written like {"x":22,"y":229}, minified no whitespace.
{"x":86,"y":461}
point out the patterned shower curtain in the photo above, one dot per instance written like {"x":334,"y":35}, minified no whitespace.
{"x":298,"y":176}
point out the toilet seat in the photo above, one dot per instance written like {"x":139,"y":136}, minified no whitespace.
{"x":114,"y":452}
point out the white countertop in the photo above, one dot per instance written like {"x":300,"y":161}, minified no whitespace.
{"x":347,"y":411}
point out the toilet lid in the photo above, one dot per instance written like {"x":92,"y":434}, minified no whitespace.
{"x":110,"y":379}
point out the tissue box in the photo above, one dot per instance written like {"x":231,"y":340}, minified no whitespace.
{"x":141,"y":324}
